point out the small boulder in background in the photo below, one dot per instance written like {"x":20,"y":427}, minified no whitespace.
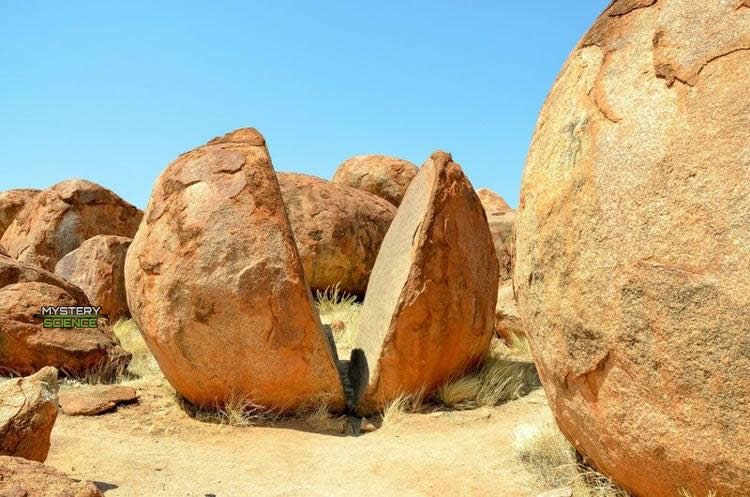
{"x":97,"y":266}
{"x":384,"y":176}
{"x":338,"y":230}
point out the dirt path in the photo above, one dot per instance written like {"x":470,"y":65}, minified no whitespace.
{"x":153,"y":449}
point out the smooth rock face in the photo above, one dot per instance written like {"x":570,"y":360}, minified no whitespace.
{"x":338,"y":230}
{"x":633,"y":247}
{"x":384,"y":176}
{"x":215,"y":284}
{"x":26,"y":346}
{"x":98,"y":268}
{"x":97,"y":399}
{"x":22,"y":478}
{"x":14,"y":271}
{"x":500,"y":218}
{"x":58,"y":220}
{"x":11,"y":202}
{"x":507,"y":319}
{"x":28,"y":410}
{"x":428,"y":313}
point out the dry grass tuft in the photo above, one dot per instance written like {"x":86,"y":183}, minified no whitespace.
{"x":397,"y":409}
{"x":340,"y":310}
{"x":686,"y":493}
{"x":548,"y":454}
{"x":318,"y":418}
{"x":236,"y":411}
{"x":498,"y":379}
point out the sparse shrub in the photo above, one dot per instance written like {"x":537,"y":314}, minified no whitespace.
{"x":236,"y":411}
{"x":396,"y":410}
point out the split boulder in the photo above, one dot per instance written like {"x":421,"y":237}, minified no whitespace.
{"x":428,"y":312}
{"x":216,"y":287}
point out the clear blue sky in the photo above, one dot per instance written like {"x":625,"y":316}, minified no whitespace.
{"x":113,"y":91}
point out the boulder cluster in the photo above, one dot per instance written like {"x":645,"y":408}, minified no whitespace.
{"x":218,"y":278}
{"x":626,"y":265}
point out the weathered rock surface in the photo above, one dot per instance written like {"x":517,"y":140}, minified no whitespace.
{"x":97,"y":399}
{"x":98,"y":268}
{"x":15,"y":271}
{"x":28,"y":410}
{"x":384,"y":176}
{"x":215,"y":284}
{"x":633,"y":248}
{"x":11,"y":202}
{"x":500,"y":218}
{"x":26,"y":346}
{"x":22,"y":478}
{"x":428,"y":312}
{"x":58,"y":220}
{"x":507,"y":319}
{"x":338,"y":230}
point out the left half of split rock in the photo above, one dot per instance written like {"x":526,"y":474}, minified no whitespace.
{"x":215,"y":284}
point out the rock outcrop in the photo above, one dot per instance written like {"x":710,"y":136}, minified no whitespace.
{"x":58,"y":220}
{"x":22,"y":478}
{"x":633,"y":249}
{"x":11,"y":202}
{"x":507,"y":319}
{"x":15,"y":271}
{"x":28,"y":410}
{"x":338,"y":230}
{"x":384,"y":176}
{"x":215,"y":283}
{"x":98,"y":268}
{"x":96,"y":399}
{"x":501,"y":218}
{"x":27,"y":346}
{"x":428,"y":313}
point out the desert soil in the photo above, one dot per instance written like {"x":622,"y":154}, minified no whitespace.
{"x":154,"y":449}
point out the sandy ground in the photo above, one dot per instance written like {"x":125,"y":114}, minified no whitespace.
{"x":154,"y":449}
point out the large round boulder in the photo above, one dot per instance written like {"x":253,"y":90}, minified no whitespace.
{"x":382,"y":175}
{"x":338,"y":230}
{"x":58,"y":220}
{"x":27,"y":346}
{"x":216,"y":287}
{"x":11,"y":202}
{"x":633,"y":247}
{"x":98,"y":268}
{"x":429,"y":309}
